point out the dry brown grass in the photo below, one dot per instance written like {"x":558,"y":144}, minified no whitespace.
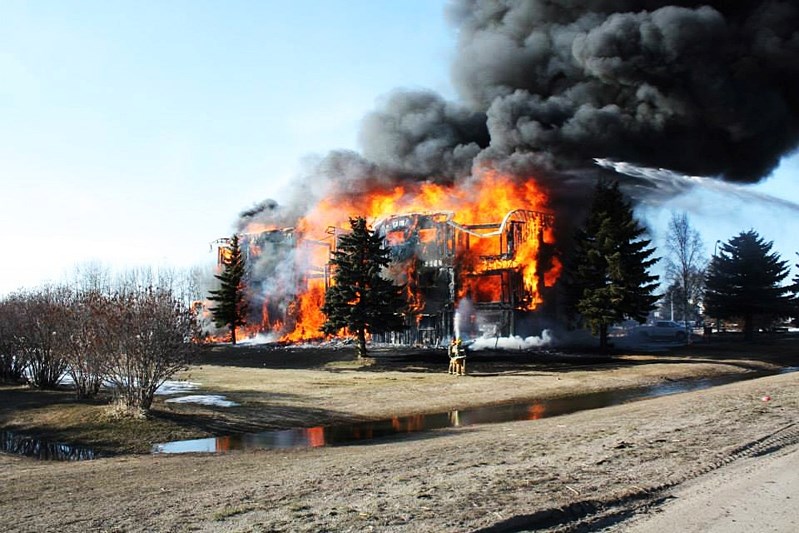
{"x":459,"y":479}
{"x":290,"y":387}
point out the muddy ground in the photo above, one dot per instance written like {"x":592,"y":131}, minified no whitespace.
{"x":583,"y":470}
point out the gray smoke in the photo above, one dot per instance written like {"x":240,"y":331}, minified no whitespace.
{"x":421,"y":136}
{"x":547,"y":87}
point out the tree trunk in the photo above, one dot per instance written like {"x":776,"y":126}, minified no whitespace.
{"x":749,"y":327}
{"x":146,"y":398}
{"x":361,"y":343}
{"x":603,"y":338}
{"x":685,"y":298}
{"x":233,"y":334}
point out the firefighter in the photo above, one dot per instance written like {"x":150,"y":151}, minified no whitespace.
{"x":457,"y":357}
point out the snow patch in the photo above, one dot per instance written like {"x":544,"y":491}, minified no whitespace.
{"x":65,"y":380}
{"x":214,"y":400}
{"x":172,"y":386}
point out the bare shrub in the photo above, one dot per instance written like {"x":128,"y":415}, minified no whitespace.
{"x":85,"y":339}
{"x":152,"y":335}
{"x":41,"y":321}
{"x":12,"y":359}
{"x":134,"y":338}
{"x":91,"y":276}
{"x":120,"y":410}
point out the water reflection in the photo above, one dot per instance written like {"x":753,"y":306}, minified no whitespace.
{"x":360,"y":432}
{"x":10,"y":442}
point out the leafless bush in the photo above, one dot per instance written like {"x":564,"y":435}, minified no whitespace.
{"x":85,"y":339}
{"x":152,"y":337}
{"x":12,"y":360}
{"x":90,"y":276}
{"x":41,"y":321}
{"x":133,"y":333}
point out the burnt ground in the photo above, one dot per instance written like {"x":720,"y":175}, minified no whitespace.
{"x":583,"y":468}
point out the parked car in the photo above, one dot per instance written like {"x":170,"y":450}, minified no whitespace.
{"x":664,"y":330}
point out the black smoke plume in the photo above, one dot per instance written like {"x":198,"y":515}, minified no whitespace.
{"x":705,"y":88}
{"x":546,"y":87}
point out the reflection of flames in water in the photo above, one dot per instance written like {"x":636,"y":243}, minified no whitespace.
{"x":488,"y":198}
{"x":315,"y":436}
{"x":536,"y":411}
{"x":408,"y":424}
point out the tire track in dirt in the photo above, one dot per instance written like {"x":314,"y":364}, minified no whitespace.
{"x":592,"y":514}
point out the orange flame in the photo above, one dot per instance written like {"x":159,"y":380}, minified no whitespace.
{"x":484,"y":253}
{"x":307,"y":313}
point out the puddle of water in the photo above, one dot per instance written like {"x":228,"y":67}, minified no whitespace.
{"x":14,"y":443}
{"x":11,"y":442}
{"x":343,"y":434}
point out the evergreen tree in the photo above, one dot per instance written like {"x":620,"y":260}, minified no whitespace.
{"x":360,"y":299}
{"x":608,"y":279}
{"x":231,"y":308}
{"x":744,"y":280}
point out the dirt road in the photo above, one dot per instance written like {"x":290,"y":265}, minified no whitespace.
{"x":755,"y":494}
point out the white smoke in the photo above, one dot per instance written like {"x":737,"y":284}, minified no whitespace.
{"x":514,"y":343}
{"x":464,"y":317}
{"x":260,"y":338}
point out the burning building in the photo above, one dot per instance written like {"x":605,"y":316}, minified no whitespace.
{"x":479,"y":266}
{"x":468,"y":279}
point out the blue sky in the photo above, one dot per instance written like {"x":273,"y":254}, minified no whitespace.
{"x":722,"y":211}
{"x":134,"y":132}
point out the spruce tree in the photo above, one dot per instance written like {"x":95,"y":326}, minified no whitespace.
{"x":360,"y":298}
{"x":231,"y":308}
{"x":744,"y":280}
{"x":608,"y":279}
